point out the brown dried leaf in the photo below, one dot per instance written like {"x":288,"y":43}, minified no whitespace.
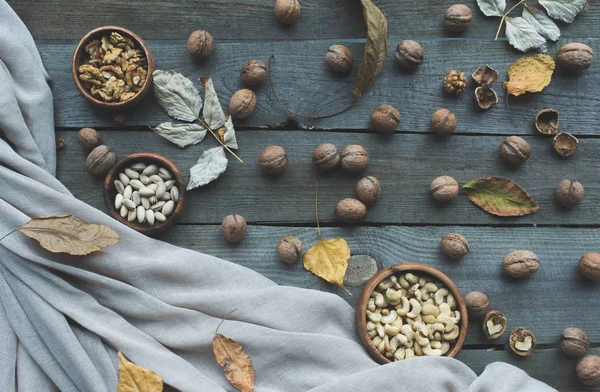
{"x":134,"y":378}
{"x":529,"y":74}
{"x":235,"y":361}
{"x":69,"y":234}
{"x":500,"y":196}
{"x":328,"y":259}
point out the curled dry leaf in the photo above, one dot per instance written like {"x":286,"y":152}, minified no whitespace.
{"x":235,"y":361}
{"x":69,"y":234}
{"x":541,"y":23}
{"x":328,"y":259}
{"x":500,"y":196}
{"x":565,"y":10}
{"x":529,"y":74}
{"x":134,"y":378}
{"x":181,"y":134}
{"x":177,"y":95}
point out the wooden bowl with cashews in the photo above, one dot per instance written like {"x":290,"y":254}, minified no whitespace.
{"x":409,"y":310}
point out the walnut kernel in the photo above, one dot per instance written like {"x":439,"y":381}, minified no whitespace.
{"x":494,"y":324}
{"x":522,"y":342}
{"x":455,"y":82}
{"x":242,"y":103}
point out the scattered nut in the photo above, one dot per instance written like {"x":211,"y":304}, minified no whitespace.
{"x":477,"y":304}
{"x":494,"y":324}
{"x":486,"y":97}
{"x":326,"y":157}
{"x":100,"y":160}
{"x":521,"y":263}
{"x":242,"y":103}
{"x":569,"y":193}
{"x":546,"y":122}
{"x":339,"y":58}
{"x":253,"y":73}
{"x":350,"y":210}
{"x":88,"y":138}
{"x":443,"y":122}
{"x":455,"y":82}
{"x":588,"y":370}
{"x":522,"y":342}
{"x":574,"y":342}
{"x":484,"y":76}
{"x":589,"y":265}
{"x":565,"y":144}
{"x":444,"y":188}
{"x":201,"y":44}
{"x":273,"y":160}
{"x":454,"y":246}
{"x":354,"y":158}
{"x":289,"y":249}
{"x":60,"y":143}
{"x":575,"y":56}
{"x":368,"y":190}
{"x":385,"y":119}
{"x":234,"y":228}
{"x":515,"y":150}
{"x":287,"y":11}
{"x":409,"y":55}
{"x":458,"y":18}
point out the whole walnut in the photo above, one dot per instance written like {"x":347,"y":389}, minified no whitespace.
{"x":100,"y":160}
{"x":254,"y":73}
{"x":454,"y":246}
{"x":443,"y":122}
{"x":368,"y":190}
{"x":455,"y":82}
{"x":287,"y":11}
{"x":242,"y":103}
{"x":273,"y":160}
{"x":588,"y":370}
{"x":515,"y":150}
{"x":354,"y":158}
{"x":289,"y":249}
{"x":521,"y":264}
{"x":458,"y":18}
{"x":350,"y":210}
{"x":444,"y":188}
{"x":575,"y":56}
{"x":234,"y":228}
{"x":339,"y":58}
{"x":88,"y":138}
{"x":569,"y":193}
{"x":589,"y":265}
{"x":574,"y":342}
{"x":409,"y":55}
{"x":385,"y":119}
{"x":201,"y":44}
{"x":477,"y":304}
{"x":326,"y":157}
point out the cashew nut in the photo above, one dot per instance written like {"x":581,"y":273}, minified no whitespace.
{"x":525,"y":345}
{"x":428,"y":350}
{"x":449,"y":324}
{"x":451,"y":335}
{"x":372,"y":333}
{"x":436,"y":344}
{"x":390,"y":318}
{"x":393,"y":345}
{"x":393,"y":296}
{"x":429,"y":319}
{"x":419,"y":326}
{"x":411,"y":278}
{"x":399,"y":340}
{"x":380,"y":330}
{"x":386,"y":343}
{"x":437,"y":336}
{"x":450,"y":300}
{"x":400,"y":354}
{"x":385,"y":312}
{"x":430,"y":301}
{"x":415,"y":309}
{"x":398,"y":323}
{"x":385,"y":284}
{"x":391,"y":330}
{"x":428,"y":309}
{"x":440,"y":294}
{"x":408,"y":332}
{"x":421,"y":340}
{"x":409,"y":353}
{"x":371,"y":304}
{"x":445,"y":347}
{"x":403,"y":309}
{"x":394,"y":280}
{"x":430,"y":287}
{"x":403,"y":282}
{"x":377,"y":340}
{"x":380,"y":301}
{"x":381,"y":347}
{"x":445,"y":309}
{"x":374,"y":317}
{"x":436,"y":327}
{"x":370,"y":326}
{"x":418,"y":350}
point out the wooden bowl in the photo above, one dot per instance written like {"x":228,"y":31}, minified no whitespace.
{"x":418,"y":269}
{"x":80,"y":52}
{"x":110,"y":192}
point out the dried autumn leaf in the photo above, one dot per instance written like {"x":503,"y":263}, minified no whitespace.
{"x":177,"y":95}
{"x":328,"y":259}
{"x":235,"y":361}
{"x":529,"y":74}
{"x":182,"y":135}
{"x":500,"y":196}
{"x":134,"y":378}
{"x":69,"y":234}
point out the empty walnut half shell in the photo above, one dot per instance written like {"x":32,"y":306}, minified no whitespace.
{"x":546,"y":122}
{"x":486,"y":97}
{"x":565,"y":144}
{"x":494,"y":324}
{"x":522,"y":342}
{"x":484,"y":76}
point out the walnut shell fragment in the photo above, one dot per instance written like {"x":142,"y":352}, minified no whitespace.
{"x":546,"y":122}
{"x":486,"y":97}
{"x":522,"y":342}
{"x":494,"y":324}
{"x":484,"y":76}
{"x":565,"y":144}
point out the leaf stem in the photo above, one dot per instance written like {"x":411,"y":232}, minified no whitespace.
{"x":217,"y":137}
{"x":317,"y":210}
{"x":504,"y":18}
{"x":224,"y":318}
{"x":9,"y":233}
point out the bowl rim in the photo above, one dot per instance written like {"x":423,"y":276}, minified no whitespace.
{"x":110,"y":191}
{"x":361,"y":308}
{"x":79,"y":51}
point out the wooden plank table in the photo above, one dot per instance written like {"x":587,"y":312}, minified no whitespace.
{"x":406,"y":224}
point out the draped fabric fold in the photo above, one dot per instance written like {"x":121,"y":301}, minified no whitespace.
{"x":62,"y":318}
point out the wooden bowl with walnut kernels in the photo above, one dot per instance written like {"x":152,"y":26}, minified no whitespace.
{"x":110,"y":192}
{"x":417,"y":269}
{"x":80,"y":53}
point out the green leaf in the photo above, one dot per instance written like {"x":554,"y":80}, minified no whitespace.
{"x":500,"y":196}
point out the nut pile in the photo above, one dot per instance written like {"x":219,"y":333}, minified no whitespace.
{"x":115,"y":70}
{"x":410,"y":315}
{"x":147,"y":193}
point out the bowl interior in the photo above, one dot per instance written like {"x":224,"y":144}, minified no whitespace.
{"x":110,"y":191}
{"x":419,"y":269}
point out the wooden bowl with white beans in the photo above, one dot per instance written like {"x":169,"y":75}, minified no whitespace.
{"x":409,"y":310}
{"x":145,"y":191}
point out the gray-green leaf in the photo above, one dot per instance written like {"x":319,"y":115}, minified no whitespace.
{"x":229,"y":136}
{"x":181,"y":134}
{"x":209,"y":167}
{"x":523,"y":35}
{"x":213,"y":112}
{"x":177,"y":95}
{"x":565,"y":10}
{"x":492,"y":7}
{"x":541,"y":23}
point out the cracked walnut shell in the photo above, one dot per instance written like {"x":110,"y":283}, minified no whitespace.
{"x":546,"y":122}
{"x":522,"y":342}
{"x":565,"y":144}
{"x":494,"y":324}
{"x":455,"y":82}
{"x":486,"y":97}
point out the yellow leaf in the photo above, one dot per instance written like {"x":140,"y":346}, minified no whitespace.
{"x":235,"y":361}
{"x":69,"y":234}
{"x":328,"y":259}
{"x":134,"y":378}
{"x":529,"y":74}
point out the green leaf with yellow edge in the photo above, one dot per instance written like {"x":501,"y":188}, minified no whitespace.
{"x":328,"y":259}
{"x":500,"y":196}
{"x":529,"y":74}
{"x":134,"y":378}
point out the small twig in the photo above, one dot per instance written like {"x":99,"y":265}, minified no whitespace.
{"x":317,"y":210}
{"x":504,"y":18}
{"x":224,"y":318}
{"x":217,"y":137}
